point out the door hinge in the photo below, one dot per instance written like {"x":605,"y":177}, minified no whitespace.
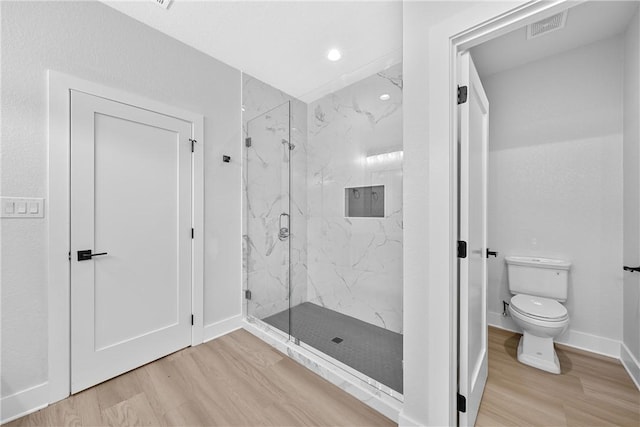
{"x":462,"y":249}
{"x":193,"y":143}
{"x":247,"y":294}
{"x":462,"y":94}
{"x":69,"y":256}
{"x":192,"y":233}
{"x":247,"y":142}
{"x":192,"y":320}
{"x":462,"y":403}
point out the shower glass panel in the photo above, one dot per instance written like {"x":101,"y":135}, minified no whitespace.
{"x":324,"y":222}
{"x":268,"y":223}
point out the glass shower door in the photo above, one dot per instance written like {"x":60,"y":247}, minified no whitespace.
{"x":267,"y":239}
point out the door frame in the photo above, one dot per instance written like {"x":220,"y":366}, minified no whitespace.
{"x":459,"y":33}
{"x":59,"y":221}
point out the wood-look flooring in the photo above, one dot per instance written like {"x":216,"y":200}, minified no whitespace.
{"x":237,"y":380}
{"x":592,"y":390}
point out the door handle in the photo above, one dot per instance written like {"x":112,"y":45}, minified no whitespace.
{"x":632,"y":269}
{"x":87,"y":255}
{"x":491,"y":253}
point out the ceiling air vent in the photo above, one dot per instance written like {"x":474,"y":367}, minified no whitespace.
{"x":547,"y":25}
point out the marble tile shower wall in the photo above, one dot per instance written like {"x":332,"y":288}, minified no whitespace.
{"x":355,"y":264}
{"x":265,"y":257}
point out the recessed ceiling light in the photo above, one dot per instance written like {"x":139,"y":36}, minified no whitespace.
{"x":334,"y":55}
{"x":385,"y":97}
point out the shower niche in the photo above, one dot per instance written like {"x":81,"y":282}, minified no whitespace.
{"x":364,"y":202}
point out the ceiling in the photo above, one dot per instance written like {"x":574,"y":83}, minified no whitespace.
{"x":586,"y":23}
{"x":285,"y":43}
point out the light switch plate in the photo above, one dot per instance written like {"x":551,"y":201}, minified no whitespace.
{"x":21,"y":207}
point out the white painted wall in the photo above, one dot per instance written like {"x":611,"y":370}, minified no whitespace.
{"x":555,"y":178}
{"x":94,"y":42}
{"x":631,"y":151}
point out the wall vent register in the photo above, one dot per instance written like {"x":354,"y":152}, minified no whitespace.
{"x":547,"y":25}
{"x":364,"y":202}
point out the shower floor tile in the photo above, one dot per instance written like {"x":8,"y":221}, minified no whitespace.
{"x":374,"y":351}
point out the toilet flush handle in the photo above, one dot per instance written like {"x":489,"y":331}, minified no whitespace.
{"x":491,"y":253}
{"x":632,"y":269}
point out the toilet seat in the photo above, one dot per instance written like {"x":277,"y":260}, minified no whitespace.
{"x":539,"y":308}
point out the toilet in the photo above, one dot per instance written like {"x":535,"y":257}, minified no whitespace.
{"x":538,"y":286}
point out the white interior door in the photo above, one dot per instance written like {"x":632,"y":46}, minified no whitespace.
{"x":473,"y":145}
{"x":131,"y":199}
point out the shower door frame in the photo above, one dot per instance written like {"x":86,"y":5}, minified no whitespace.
{"x":247,"y":300}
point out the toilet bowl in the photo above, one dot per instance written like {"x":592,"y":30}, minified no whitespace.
{"x":542,"y":320}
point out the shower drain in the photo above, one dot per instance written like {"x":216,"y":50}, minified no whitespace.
{"x":337,"y":340}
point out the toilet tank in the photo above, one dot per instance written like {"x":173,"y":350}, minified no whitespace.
{"x":543,"y":277}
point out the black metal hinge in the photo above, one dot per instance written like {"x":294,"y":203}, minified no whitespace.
{"x":462,"y":94}
{"x":192,"y":233}
{"x":462,"y":403}
{"x":193,"y":143}
{"x":247,"y":294}
{"x":192,"y":320}
{"x":462,"y":249}
{"x":247,"y":142}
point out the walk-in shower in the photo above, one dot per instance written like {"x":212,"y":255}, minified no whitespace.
{"x":323,"y":222}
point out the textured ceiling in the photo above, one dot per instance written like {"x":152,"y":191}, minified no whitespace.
{"x":284,"y":43}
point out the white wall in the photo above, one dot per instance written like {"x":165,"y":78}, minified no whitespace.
{"x":94,"y":42}
{"x":631,"y":151}
{"x":555,"y":178}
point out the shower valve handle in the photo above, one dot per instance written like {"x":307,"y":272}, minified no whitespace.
{"x":283,"y":233}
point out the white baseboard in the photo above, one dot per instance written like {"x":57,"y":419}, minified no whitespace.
{"x":630,"y":363}
{"x":223,"y":327}
{"x":571,"y":338}
{"x":23,"y":402}
{"x":405,"y":421}
{"x":499,"y":321}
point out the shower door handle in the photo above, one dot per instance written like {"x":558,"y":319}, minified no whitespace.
{"x":283,"y":234}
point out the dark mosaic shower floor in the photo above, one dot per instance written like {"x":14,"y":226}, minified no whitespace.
{"x":374,"y":351}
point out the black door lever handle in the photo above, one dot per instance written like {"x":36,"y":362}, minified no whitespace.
{"x":631,"y":269}
{"x":491,"y":253}
{"x":87,"y":255}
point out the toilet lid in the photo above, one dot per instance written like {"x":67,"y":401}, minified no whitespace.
{"x":542,"y":308}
